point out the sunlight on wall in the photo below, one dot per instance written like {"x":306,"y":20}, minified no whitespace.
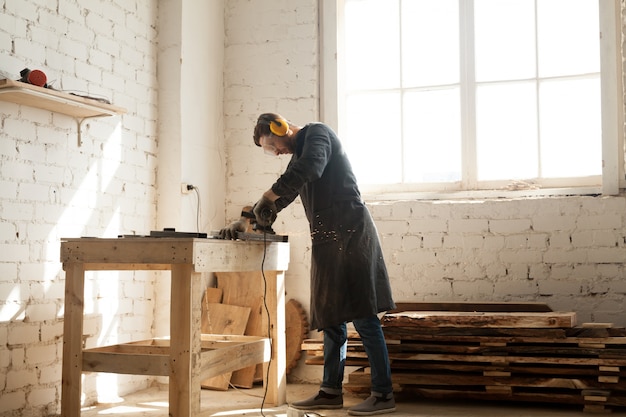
{"x":94,"y":211}
{"x":106,"y":386}
{"x":13,"y":310}
{"x":81,"y":212}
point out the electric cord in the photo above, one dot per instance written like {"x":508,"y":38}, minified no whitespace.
{"x":269,"y":329}
{"x":197,"y":191}
{"x":269,"y":323}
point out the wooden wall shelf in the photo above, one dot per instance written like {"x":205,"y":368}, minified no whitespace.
{"x":55,"y":101}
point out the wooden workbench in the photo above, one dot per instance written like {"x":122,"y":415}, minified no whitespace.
{"x":187,"y":356}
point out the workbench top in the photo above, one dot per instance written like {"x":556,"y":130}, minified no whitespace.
{"x":205,"y":254}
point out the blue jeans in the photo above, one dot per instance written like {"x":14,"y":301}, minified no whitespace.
{"x":335,"y":348}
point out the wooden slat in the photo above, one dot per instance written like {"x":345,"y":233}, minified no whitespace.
{"x":127,"y":363}
{"x":433,"y":379}
{"x":240,"y":355}
{"x":471,"y":333}
{"x":147,"y":347}
{"x":480,"y":319}
{"x":471,"y":306}
{"x":127,"y":251}
{"x":496,"y":335}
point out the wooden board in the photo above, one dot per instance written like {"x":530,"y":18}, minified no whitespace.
{"x":471,"y":306}
{"x":222,"y":319}
{"x":212,"y":295}
{"x":246,"y":289}
{"x":478,"y":319}
{"x":425,"y":379}
{"x":53,"y":100}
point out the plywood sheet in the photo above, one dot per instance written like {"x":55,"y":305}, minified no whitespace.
{"x":222,"y":319}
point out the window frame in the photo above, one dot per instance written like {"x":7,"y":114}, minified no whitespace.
{"x":612,"y":102}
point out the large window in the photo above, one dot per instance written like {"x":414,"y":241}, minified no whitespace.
{"x":455,"y":95}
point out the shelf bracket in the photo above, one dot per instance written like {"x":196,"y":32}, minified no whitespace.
{"x":79,"y":123}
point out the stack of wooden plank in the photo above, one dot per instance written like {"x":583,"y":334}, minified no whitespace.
{"x":490,"y":351}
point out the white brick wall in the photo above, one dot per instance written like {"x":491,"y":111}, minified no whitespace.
{"x":572,"y":261}
{"x":51,"y":188}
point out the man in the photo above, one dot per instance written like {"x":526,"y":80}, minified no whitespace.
{"x":349,"y":281}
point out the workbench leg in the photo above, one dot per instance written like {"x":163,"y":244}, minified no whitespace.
{"x":72,"y":340}
{"x":185,"y":342}
{"x":277,"y":381}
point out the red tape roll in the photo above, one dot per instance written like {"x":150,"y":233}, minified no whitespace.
{"x":37,"y":77}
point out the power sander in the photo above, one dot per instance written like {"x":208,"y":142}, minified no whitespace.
{"x":255,"y":231}
{"x":266,"y":214}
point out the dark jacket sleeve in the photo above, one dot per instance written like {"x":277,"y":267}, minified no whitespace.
{"x":284,"y":200}
{"x":313,"y":151}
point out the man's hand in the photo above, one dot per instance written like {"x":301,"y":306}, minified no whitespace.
{"x":265,"y":211}
{"x":230,"y":231}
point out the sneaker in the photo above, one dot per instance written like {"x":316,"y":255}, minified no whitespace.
{"x":374,"y":404}
{"x":320,"y":400}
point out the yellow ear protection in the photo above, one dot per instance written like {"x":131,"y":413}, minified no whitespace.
{"x":279,"y":127}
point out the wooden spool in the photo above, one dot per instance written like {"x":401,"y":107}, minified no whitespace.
{"x":297,"y":329}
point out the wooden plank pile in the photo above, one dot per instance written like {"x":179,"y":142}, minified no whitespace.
{"x":501,"y":352}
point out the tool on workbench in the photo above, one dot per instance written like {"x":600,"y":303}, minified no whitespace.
{"x":252,"y":225}
{"x":262,"y":237}
{"x":171,"y":232}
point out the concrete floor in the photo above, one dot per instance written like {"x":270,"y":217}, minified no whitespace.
{"x":153,"y":403}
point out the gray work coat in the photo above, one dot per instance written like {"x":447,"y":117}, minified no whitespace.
{"x":348,"y":274}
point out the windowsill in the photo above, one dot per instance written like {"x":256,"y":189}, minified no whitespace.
{"x":372,"y":196}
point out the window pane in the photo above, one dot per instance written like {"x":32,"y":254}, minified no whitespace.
{"x":568,"y":37}
{"x":373,"y":137}
{"x":506,"y":131}
{"x":516,"y":97}
{"x":424,"y":61}
{"x":432,"y":136}
{"x":372,"y":44}
{"x":570,"y":128}
{"x":505,"y":39}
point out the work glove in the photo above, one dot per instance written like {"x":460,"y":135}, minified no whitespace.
{"x":265,"y":211}
{"x":230,"y":231}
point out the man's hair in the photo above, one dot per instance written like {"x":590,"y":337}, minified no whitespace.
{"x":262,"y":127}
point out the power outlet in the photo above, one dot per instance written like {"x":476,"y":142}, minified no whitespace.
{"x":186,"y":188}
